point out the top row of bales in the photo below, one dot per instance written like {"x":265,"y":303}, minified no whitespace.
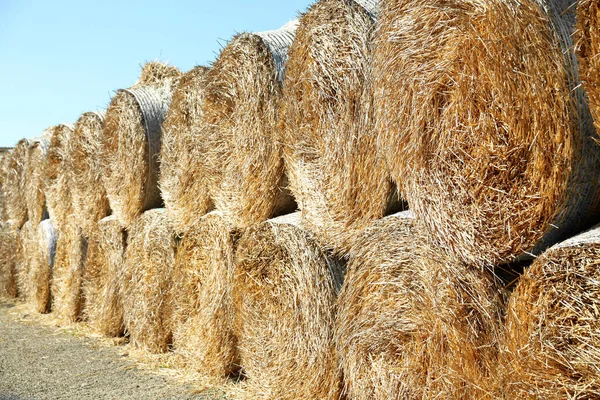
{"x":473,"y":110}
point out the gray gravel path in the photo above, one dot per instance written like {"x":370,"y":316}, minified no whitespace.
{"x":37,"y":363}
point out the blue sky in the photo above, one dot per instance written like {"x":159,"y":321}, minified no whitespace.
{"x":61,"y":58}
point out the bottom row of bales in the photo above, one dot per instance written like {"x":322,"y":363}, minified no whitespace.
{"x":398,"y":320}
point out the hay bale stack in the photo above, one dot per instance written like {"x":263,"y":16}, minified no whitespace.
{"x":131,"y":142}
{"x":184,"y":191}
{"x":35,"y":178}
{"x":59,"y":198}
{"x":552,"y":343}
{"x":284,"y":297}
{"x":89,"y":196}
{"x":412,"y":324}
{"x":588,"y":52}
{"x":23,"y":254}
{"x":484,"y":123}
{"x":202,"y":301}
{"x":40,"y":272}
{"x":103,"y":277}
{"x":147,"y":282}
{"x":335,"y":175}
{"x":14,"y":186}
{"x":242,"y":157}
{"x":8,"y":265}
{"x":3,"y":184}
{"x":67,"y":274}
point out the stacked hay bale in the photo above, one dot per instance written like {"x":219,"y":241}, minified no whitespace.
{"x":202,"y":301}
{"x":183,"y":190}
{"x":411,"y":323}
{"x":335,"y":174}
{"x":8,"y":265}
{"x":58,"y":178}
{"x":14,"y":186}
{"x":131,"y":141}
{"x":552,"y":343}
{"x":484,"y":123}
{"x":588,"y":52}
{"x":3,"y":184}
{"x":35,"y":182}
{"x":284,"y":297}
{"x":39,"y":277}
{"x":90,"y":203}
{"x":147,"y":282}
{"x":103,"y":278}
{"x":23,"y":257}
{"x":241,"y":161}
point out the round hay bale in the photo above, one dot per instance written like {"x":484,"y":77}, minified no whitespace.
{"x":25,"y":245}
{"x":412,"y":324}
{"x":3,"y":184}
{"x":335,"y":174}
{"x":284,"y":292}
{"x":131,"y":142}
{"x":202,"y":300}
{"x":67,"y":274}
{"x":35,"y":178}
{"x":587,"y":44}
{"x":551,"y":348}
{"x":40,"y":272}
{"x":242,"y":158}
{"x":103,"y":278}
{"x":147,"y":282}
{"x":59,"y":200}
{"x":14,"y":187}
{"x":484,"y":123}
{"x":183,"y":189}
{"x":8,"y":266}
{"x":89,"y":196}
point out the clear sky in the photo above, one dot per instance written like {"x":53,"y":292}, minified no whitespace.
{"x":60,"y":58}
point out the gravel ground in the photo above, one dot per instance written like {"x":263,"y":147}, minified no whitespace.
{"x":38,"y":363}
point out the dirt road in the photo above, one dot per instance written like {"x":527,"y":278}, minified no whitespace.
{"x":38,"y":363}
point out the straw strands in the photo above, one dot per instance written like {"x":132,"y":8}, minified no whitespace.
{"x":14,"y":186}
{"x":39,"y":276}
{"x":552,"y":344}
{"x":131,"y":142}
{"x":58,"y":192}
{"x":484,"y":124}
{"x":147,"y":282}
{"x":24,"y":252}
{"x":588,"y":52}
{"x":411,"y":324}
{"x":335,"y":175}
{"x":89,"y":196}
{"x":8,"y":266}
{"x":3,"y":184}
{"x":284,"y":297}
{"x":184,"y":191}
{"x":202,"y":300}
{"x":242,"y":156}
{"x":35,"y":178}
{"x":103,"y":278}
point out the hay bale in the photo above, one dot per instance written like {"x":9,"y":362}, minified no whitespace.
{"x":3,"y":184}
{"x":335,"y":175}
{"x":202,"y":301}
{"x":484,"y":123}
{"x":59,"y":198}
{"x":183,"y":189}
{"x":8,"y":266}
{"x":14,"y":187}
{"x":284,"y":297}
{"x":39,"y":276}
{"x":551,"y":348}
{"x":35,"y":178}
{"x":131,"y":142}
{"x":25,"y":245}
{"x":67,"y":274}
{"x":587,"y":46}
{"x":242,"y":158}
{"x":147,"y":282}
{"x":412,"y":324}
{"x":103,"y":277}
{"x":89,"y":196}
